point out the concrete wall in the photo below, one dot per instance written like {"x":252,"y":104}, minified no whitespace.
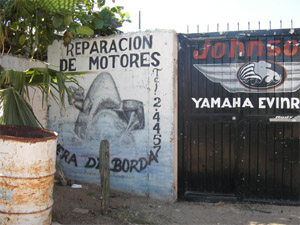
{"x":22,"y":64}
{"x":127,"y":96}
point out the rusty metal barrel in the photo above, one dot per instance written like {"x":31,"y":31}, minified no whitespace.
{"x":27,"y":168}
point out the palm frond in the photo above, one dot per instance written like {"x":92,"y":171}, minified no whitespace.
{"x":14,"y":90}
{"x":15,"y":110}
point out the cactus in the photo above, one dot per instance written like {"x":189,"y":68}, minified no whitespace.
{"x":104,"y":175}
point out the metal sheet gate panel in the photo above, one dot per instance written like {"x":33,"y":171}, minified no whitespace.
{"x":239,"y":114}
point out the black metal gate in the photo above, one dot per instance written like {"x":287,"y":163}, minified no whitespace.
{"x":239,"y":116}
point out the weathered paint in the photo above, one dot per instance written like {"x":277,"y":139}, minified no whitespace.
{"x":128,"y":98}
{"x":41,"y":218}
{"x":27,"y":169}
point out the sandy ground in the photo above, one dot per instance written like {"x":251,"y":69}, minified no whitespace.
{"x":82,"y":206}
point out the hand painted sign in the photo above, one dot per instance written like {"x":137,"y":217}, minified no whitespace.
{"x":126,"y":97}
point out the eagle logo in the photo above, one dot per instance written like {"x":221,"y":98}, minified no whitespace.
{"x":261,"y":75}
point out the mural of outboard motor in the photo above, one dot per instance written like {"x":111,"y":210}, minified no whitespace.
{"x":103,"y":101}
{"x":127,"y":97}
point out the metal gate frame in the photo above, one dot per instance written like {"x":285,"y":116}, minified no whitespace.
{"x":256,"y":173}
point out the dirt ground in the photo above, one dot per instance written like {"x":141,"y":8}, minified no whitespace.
{"x":82,"y":206}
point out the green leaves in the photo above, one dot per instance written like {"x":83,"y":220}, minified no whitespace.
{"x":15,"y":110}
{"x":57,"y":21}
{"x":68,"y":19}
{"x":14,"y":90}
{"x":28,"y":27}
{"x":22,"y":39}
{"x":84,"y":30}
{"x":98,"y":23}
{"x":58,"y":5}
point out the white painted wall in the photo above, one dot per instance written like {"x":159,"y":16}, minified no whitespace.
{"x":21,"y":64}
{"x":129,"y":97}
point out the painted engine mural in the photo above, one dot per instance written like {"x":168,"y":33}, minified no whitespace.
{"x":126,"y":97}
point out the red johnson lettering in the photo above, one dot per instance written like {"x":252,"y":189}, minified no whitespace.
{"x":237,"y":48}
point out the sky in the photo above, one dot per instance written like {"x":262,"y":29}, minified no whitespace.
{"x":187,"y":15}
